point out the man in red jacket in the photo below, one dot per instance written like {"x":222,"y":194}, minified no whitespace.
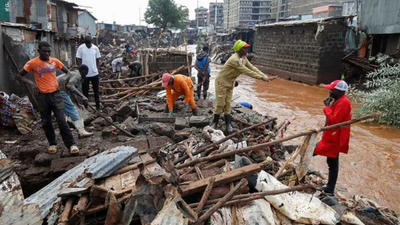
{"x":337,"y":110}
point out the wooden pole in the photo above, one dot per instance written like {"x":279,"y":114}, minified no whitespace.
{"x":213,"y":146}
{"x":221,"y":202}
{"x":205,"y":196}
{"x":63,"y":219}
{"x":187,"y":59}
{"x":198,"y":171}
{"x":264,"y":145}
{"x":259,"y":195}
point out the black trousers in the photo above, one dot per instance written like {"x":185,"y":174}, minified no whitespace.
{"x":95,"y":84}
{"x":333,"y":165}
{"x":200,"y":85}
{"x":53,"y":102}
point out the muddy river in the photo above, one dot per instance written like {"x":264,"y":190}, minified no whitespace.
{"x":372,"y":167}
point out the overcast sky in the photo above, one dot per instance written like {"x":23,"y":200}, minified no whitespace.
{"x":127,"y":11}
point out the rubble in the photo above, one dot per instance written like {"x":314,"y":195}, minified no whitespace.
{"x":145,"y":167}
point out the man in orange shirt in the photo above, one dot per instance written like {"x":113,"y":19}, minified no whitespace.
{"x":50,"y":100}
{"x":176,"y":86}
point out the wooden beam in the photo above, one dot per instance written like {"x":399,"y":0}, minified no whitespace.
{"x":224,"y":178}
{"x":213,"y":146}
{"x":264,"y":145}
{"x":258,"y":195}
{"x":206,"y":194}
{"x":221,"y":202}
{"x":157,"y":119}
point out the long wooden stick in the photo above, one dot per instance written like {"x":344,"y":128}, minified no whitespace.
{"x":129,"y":79}
{"x":110,"y":122}
{"x":63,"y":219}
{"x":198,"y":171}
{"x":205,"y":196}
{"x":261,"y":146}
{"x":222,"y":201}
{"x":258,"y":195}
{"x":212,"y":146}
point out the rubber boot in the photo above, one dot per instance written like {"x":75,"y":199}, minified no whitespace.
{"x":205,"y":96}
{"x":81,"y":129}
{"x":195,"y":112}
{"x":215,"y":121}
{"x":228,"y":122}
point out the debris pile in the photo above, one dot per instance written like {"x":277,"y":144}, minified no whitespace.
{"x":143,"y":166}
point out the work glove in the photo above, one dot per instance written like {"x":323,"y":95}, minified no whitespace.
{"x":171,"y":112}
{"x":186,"y":105}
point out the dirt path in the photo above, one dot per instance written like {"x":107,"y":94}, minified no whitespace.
{"x":372,"y":167}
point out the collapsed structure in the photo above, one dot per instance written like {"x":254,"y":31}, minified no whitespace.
{"x":144,"y":167}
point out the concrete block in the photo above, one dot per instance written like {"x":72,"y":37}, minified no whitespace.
{"x":181,"y":136}
{"x":141,"y":144}
{"x":180,"y":123}
{"x":163,"y":129}
{"x":199,"y":121}
{"x":107,"y":132}
{"x":44,"y":159}
{"x":129,"y":124}
{"x":157,"y":142}
{"x":65,"y":164}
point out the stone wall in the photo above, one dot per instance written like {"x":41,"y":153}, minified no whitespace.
{"x":294,"y":53}
{"x":163,"y":61}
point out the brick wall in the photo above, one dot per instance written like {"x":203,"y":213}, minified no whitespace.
{"x":168,"y":62}
{"x":293,"y":53}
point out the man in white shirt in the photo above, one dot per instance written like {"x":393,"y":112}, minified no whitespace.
{"x":89,"y":55}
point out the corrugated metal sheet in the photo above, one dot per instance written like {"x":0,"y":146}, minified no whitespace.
{"x":295,"y":22}
{"x":11,"y":195}
{"x":99,"y":166}
{"x":380,"y":17}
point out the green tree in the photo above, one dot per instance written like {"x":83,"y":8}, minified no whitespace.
{"x":166,"y":13}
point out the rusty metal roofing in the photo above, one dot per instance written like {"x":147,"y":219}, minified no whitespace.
{"x":98,"y":166}
{"x":300,"y":22}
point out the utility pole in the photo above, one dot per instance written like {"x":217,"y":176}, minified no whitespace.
{"x":140,"y":18}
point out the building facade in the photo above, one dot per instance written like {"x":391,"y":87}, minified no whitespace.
{"x":292,"y":50}
{"x":216,"y":15}
{"x":201,"y":16}
{"x":282,"y":10}
{"x":245,"y":14}
{"x":24,"y":24}
{"x":87,"y":23}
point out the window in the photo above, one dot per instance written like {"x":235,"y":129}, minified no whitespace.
{"x":255,"y":18}
{"x":256,"y":11}
{"x":256,"y":3}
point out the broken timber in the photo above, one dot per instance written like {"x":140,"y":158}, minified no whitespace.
{"x":224,"y":178}
{"x":213,"y":146}
{"x":264,"y":145}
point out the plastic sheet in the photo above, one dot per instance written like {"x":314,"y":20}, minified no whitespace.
{"x":299,"y":207}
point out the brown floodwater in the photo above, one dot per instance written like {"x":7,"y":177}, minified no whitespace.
{"x":372,"y":167}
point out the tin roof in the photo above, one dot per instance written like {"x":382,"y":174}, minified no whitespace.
{"x":98,"y":166}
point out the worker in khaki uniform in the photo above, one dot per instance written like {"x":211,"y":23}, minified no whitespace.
{"x":176,"y":86}
{"x":236,"y":65}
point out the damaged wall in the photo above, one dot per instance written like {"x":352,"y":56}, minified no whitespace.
{"x":163,"y":62}
{"x":22,"y":44}
{"x":293,"y":52}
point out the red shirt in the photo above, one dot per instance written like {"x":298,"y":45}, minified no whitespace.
{"x":336,"y":140}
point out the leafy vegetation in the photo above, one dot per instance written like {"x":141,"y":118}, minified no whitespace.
{"x":383,"y":92}
{"x":166,"y":13}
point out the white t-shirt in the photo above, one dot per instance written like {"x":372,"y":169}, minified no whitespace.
{"x":89,"y":56}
